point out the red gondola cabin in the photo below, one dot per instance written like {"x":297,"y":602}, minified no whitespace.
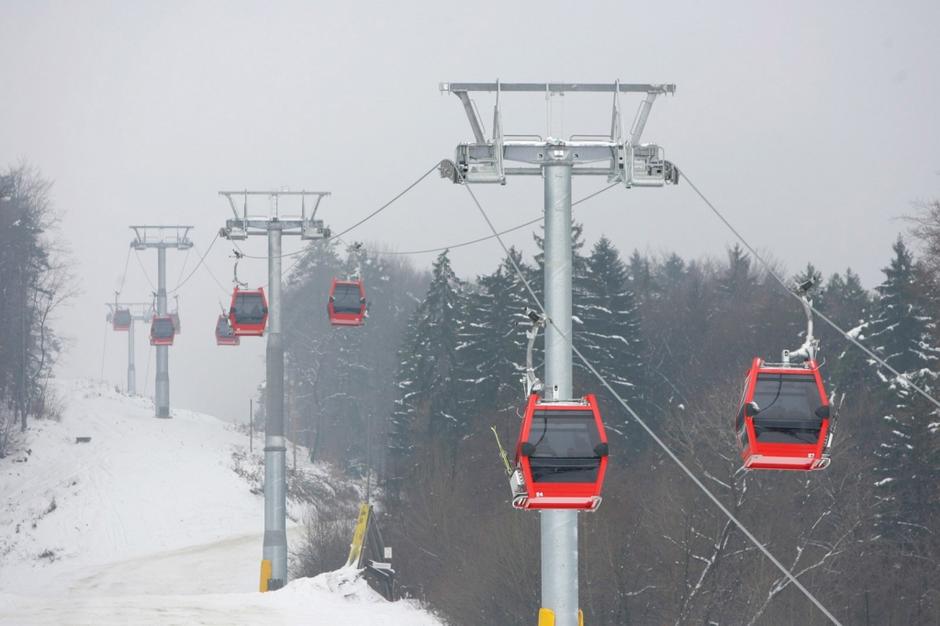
{"x":121,"y":319}
{"x":224,"y":335}
{"x":561,"y":456}
{"x":248,"y":313}
{"x":347,"y":305}
{"x":161,"y":331}
{"x":783,"y":422}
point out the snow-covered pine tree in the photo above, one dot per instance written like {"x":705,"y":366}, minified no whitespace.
{"x":902,"y":331}
{"x":612,"y":340}
{"x":493,"y":343}
{"x":427,"y":412}
{"x":846,"y":302}
{"x":401,"y":427}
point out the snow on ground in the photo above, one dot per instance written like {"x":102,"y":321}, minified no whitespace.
{"x":331,"y":599}
{"x":150,"y":523}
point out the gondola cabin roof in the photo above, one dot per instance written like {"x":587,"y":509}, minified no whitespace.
{"x":162,"y":332}
{"x":561,"y":454}
{"x":121,"y":319}
{"x":783,"y":422}
{"x":248,"y":313}
{"x":224,"y":335}
{"x":347,"y":303}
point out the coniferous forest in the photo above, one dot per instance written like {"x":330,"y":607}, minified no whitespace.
{"x":409,"y":399}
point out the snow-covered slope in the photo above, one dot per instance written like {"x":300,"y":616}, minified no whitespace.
{"x":149,"y":522}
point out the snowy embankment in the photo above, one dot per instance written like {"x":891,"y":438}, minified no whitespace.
{"x":149,"y":522}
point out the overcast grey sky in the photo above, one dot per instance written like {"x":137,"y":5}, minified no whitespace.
{"x":812,"y":124}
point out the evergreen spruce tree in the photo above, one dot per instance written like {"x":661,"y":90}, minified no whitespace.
{"x":671,"y":273}
{"x":493,"y":344}
{"x":401,"y":430}
{"x":427,"y":411}
{"x":901,"y":331}
{"x":641,"y":276}
{"x":844,"y":300}
{"x":737,"y":279}
{"x":611,"y":324}
{"x":846,"y":303}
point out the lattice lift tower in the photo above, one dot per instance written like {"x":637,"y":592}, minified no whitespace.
{"x":621,"y":158}
{"x":162,"y":238}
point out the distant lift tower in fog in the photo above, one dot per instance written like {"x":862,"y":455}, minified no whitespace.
{"x":134,"y":312}
{"x":273,"y":225}
{"x":621,"y":158}
{"x":161,"y":238}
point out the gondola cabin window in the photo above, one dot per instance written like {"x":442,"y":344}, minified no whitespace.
{"x":564,"y":445}
{"x":346,"y":298}
{"x":788,"y":407}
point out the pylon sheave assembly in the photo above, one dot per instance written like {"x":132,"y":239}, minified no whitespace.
{"x":347,"y":303}
{"x":561,"y":455}
{"x":248,"y":313}
{"x":162,"y":331}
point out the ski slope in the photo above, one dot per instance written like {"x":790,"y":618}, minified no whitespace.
{"x":150,"y":523}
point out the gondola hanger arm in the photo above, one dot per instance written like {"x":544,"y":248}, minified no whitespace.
{"x":807,"y":351}
{"x":530,"y":381}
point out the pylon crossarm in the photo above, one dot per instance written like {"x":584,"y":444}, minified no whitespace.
{"x":245,"y":223}
{"x":619,"y":158}
{"x":166,"y":236}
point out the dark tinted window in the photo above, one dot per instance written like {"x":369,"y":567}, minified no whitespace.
{"x":249,"y":308}
{"x":162,"y":328}
{"x":564,"y":447}
{"x":787,"y":406}
{"x":346,"y":299}
{"x":122,"y":317}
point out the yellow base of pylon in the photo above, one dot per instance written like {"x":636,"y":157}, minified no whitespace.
{"x":265,"y":575}
{"x":547,"y":617}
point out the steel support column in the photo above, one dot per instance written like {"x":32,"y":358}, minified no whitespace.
{"x":274,"y":227}
{"x":559,"y":529}
{"x":131,"y":367}
{"x":275,"y":488}
{"x":161,"y":387}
